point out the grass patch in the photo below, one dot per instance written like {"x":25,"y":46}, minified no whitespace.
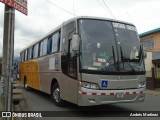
{"x":158,"y":79}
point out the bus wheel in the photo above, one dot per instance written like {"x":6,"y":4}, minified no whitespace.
{"x":26,"y":85}
{"x":55,"y":95}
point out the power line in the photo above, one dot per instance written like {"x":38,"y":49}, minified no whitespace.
{"x":73,"y":8}
{"x":59,"y":7}
{"x":102,"y":5}
{"x":108,"y":9}
{"x":129,"y":17}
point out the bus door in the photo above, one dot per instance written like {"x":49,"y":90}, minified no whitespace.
{"x":69,"y":65}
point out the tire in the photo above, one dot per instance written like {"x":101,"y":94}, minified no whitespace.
{"x":55,"y":95}
{"x":26,"y":85}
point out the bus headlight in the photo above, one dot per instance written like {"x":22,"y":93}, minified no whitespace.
{"x":141,"y":84}
{"x":89,"y":85}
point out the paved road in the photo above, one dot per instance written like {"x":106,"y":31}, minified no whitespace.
{"x":38,"y":101}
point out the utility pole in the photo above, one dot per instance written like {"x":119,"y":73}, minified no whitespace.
{"x":8,"y":54}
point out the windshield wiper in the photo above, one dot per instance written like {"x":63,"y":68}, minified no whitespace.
{"x":114,"y":56}
{"x":124,"y":60}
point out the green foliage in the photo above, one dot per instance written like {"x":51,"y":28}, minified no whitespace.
{"x":149,"y":78}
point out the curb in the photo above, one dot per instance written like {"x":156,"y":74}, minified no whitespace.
{"x":153,"y":92}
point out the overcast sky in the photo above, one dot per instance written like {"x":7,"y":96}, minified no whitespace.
{"x":44,"y":16}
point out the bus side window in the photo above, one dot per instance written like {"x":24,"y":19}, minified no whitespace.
{"x":22,"y":56}
{"x":49,"y":45}
{"x":68,"y":63}
{"x":30,"y":53}
{"x":66,"y":33}
{"x":35,"y":51}
{"x":55,"y":42}
{"x":45,"y":47}
{"x":26,"y":54}
{"x":41,"y":48}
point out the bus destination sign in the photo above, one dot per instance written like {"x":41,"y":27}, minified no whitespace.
{"x":20,"y":5}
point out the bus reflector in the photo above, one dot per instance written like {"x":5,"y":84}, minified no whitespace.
{"x":111,"y":93}
{"x":94,"y":93}
{"x":103,"y":93}
{"x":84,"y":93}
{"x":134,"y":92}
{"x":141,"y":92}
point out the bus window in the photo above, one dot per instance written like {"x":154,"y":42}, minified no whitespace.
{"x":55,"y":42}
{"x":66,"y":32}
{"x":35,"y":53}
{"x":22,"y":56}
{"x":26,"y":54}
{"x":49,"y":45}
{"x":30,"y":53}
{"x":44,"y":49}
{"x":41,"y":48}
{"x":69,"y":66}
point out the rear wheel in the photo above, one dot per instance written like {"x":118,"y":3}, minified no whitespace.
{"x":55,"y":95}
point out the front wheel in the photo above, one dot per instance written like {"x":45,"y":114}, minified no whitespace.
{"x":55,"y":95}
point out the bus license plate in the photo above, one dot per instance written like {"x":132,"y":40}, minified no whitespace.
{"x":119,"y":95}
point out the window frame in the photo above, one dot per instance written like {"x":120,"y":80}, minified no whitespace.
{"x":41,"y":52}
{"x":148,"y":42}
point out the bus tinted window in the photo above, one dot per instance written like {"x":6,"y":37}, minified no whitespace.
{"x":49,"y":45}
{"x":55,"y":42}
{"x":35,"y":53}
{"x":45,"y":47}
{"x":26,"y":54}
{"x":67,"y":30}
{"x":32,"y":52}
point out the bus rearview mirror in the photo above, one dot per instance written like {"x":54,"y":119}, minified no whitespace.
{"x":75,"y":42}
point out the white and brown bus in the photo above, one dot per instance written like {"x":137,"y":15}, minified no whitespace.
{"x":87,"y":61}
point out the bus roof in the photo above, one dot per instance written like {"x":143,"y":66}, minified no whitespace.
{"x":70,"y":20}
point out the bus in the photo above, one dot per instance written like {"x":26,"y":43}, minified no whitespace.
{"x":87,"y":61}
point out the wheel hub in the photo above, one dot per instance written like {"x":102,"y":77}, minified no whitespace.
{"x":56,"y":95}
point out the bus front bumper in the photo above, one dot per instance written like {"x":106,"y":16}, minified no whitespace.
{"x":89,"y":97}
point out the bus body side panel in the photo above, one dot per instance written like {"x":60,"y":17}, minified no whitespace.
{"x":69,"y":88}
{"x":35,"y":75}
{"x":45,"y":74}
{"x":29,"y":70}
{"x":50,"y":69}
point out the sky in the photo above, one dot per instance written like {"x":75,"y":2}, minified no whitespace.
{"x":43,"y":16}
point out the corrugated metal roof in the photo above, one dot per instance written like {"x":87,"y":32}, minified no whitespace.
{"x":149,"y":32}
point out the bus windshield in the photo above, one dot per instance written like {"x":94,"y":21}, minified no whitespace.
{"x":109,"y":47}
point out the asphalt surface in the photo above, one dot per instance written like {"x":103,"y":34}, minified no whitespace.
{"x":38,"y":101}
{"x":1,"y":92}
